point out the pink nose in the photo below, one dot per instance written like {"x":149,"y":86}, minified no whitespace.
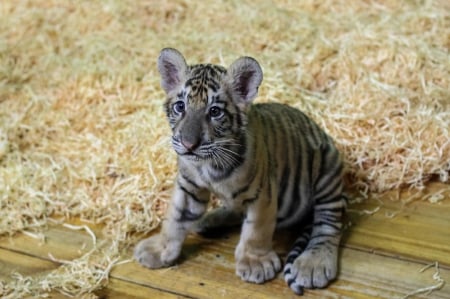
{"x":189,"y":145}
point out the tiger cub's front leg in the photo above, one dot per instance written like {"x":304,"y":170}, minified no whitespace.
{"x":256,"y":261}
{"x":163,"y":249}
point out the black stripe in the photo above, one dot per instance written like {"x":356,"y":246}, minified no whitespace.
{"x":291,"y":259}
{"x":191,"y":182}
{"x":310,"y":154}
{"x":214,"y":86}
{"x":295,"y":198}
{"x":328,"y":199}
{"x":317,"y":245}
{"x":192,"y":195}
{"x":327,"y":236}
{"x":326,"y":223}
{"x":333,"y":218}
{"x":239,"y":120}
{"x":186,"y":215}
{"x":291,"y":280}
{"x":256,"y":196}
{"x":323,"y":166}
{"x":331,"y":165}
{"x":337,"y":183}
{"x":283,"y":183}
{"x":241,"y":190}
{"x":248,"y":201}
{"x":317,"y":208}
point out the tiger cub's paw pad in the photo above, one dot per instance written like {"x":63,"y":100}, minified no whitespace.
{"x":155,"y":252}
{"x":258,"y":269}
{"x":312,"y":269}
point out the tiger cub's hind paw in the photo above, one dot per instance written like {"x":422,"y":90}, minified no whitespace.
{"x":314,"y":268}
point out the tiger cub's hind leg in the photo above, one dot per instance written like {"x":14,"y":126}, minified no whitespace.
{"x":218,"y":221}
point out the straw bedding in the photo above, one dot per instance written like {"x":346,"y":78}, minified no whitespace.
{"x":82,"y":129}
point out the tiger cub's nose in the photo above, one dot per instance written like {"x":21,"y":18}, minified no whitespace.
{"x":190,"y":146}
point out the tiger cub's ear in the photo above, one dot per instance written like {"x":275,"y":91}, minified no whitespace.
{"x":244,"y":77}
{"x":172,"y":67}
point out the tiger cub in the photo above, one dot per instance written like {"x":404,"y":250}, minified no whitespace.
{"x":269,"y":163}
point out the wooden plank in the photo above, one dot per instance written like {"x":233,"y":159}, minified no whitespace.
{"x":208,"y":265}
{"x":27,"y":266}
{"x":12,"y":262}
{"x":60,"y":242}
{"x":122,"y":289}
{"x":381,"y":258}
{"x":207,"y":271}
{"x":419,"y":230}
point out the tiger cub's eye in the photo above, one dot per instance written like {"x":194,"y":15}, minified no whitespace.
{"x":216,"y":112}
{"x":179,"y":107}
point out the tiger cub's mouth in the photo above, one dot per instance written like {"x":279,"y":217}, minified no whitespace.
{"x":199,"y":153}
{"x":191,"y":156}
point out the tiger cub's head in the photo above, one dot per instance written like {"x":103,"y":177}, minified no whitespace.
{"x":206,"y":106}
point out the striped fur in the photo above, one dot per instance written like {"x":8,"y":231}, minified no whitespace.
{"x":270,"y":164}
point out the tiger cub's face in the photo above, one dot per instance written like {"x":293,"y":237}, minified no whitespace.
{"x":204,"y":120}
{"x":206,"y":107}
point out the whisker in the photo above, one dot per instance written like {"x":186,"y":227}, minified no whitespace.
{"x":227,"y":156}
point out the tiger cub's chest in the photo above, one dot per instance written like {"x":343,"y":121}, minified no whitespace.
{"x":234,"y":189}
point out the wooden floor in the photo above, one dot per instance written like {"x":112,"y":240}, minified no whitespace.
{"x":381,"y":257}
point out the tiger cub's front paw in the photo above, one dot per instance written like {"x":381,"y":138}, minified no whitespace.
{"x":258,"y":268}
{"x":156,"y":252}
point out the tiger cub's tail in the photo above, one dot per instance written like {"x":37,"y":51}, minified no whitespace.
{"x":299,"y":246}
